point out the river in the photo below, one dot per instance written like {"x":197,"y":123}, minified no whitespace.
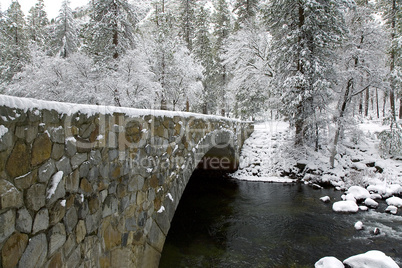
{"x":223,"y":222}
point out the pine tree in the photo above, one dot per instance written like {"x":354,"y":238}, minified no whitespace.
{"x":222,"y":29}
{"x":245,"y":10}
{"x":110,"y":31}
{"x":37,"y":22}
{"x":16,"y":52}
{"x":305,"y":35}
{"x":65,"y":40}
{"x":202,"y":49}
{"x":186,"y":20}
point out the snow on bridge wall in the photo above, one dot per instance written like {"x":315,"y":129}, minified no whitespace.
{"x":96,"y":186}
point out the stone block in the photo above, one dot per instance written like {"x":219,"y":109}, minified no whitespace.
{"x":41,"y":149}
{"x":57,"y":237}
{"x":70,"y":219}
{"x":55,"y":188}
{"x":57,"y":151}
{"x":111,"y":236}
{"x":35,"y":253}
{"x":41,"y":221}
{"x":57,"y":134}
{"x":35,"y":197}
{"x":10,"y":197}
{"x":92,"y":222}
{"x":80,"y":231}
{"x":73,"y":182}
{"x":84,"y":169}
{"x":64,"y":165}
{"x":110,"y":206}
{"x":55,"y":262}
{"x":78,"y":159}
{"x":6,"y":141}
{"x":57,"y":213}
{"x":95,"y":157}
{"x":24,"y":221}
{"x":93,"y":203}
{"x":71,"y":146}
{"x":46,"y":171}
{"x":7,"y":223}
{"x":13,"y":250}
{"x":18,"y":163}
{"x":86,"y":186}
{"x":75,"y":258}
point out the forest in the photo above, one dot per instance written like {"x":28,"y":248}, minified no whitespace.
{"x":319,"y":64}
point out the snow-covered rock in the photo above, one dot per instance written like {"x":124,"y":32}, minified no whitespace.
{"x":370,"y":203}
{"x":345,"y":206}
{"x":371,"y":259}
{"x":363,"y":208}
{"x":325,"y":199}
{"x":392,"y":209}
{"x":375,"y":196}
{"x":394,"y":201}
{"x":348,"y":197}
{"x":329,"y":262}
{"x":359,"y":225}
{"x":358,"y":192}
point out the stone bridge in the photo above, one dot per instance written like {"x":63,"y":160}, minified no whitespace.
{"x":96,"y":186}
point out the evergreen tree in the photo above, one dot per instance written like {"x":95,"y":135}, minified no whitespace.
{"x":305,"y":35}
{"x":202,"y":49}
{"x":15,"y":50}
{"x":110,"y":31}
{"x":222,"y":29}
{"x":37,"y":22}
{"x":186,"y":19}
{"x":65,"y":38}
{"x":245,"y":10}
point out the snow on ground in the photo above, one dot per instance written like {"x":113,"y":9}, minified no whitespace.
{"x":261,"y":153}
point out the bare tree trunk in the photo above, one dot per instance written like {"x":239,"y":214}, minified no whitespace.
{"x":366,"y":103}
{"x":361,"y":104}
{"x":378,"y":106}
{"x":400,"y":108}
{"x":392,"y":63}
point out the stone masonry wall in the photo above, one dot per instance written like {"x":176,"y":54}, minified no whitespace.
{"x":96,"y":189}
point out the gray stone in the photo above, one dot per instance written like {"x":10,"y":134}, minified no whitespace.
{"x":80,"y":231}
{"x":10,"y":197}
{"x":93,"y":174}
{"x":20,"y":132}
{"x":41,"y":221}
{"x":95,"y":158}
{"x":71,"y":219}
{"x":113,"y":154}
{"x":57,"y":151}
{"x":46,"y":171}
{"x":26,"y":181}
{"x":64,"y":165}
{"x":6,"y":141}
{"x":57,"y":237}
{"x":57,"y":134}
{"x":35,"y":198}
{"x":75,"y":258}
{"x":71,"y":147}
{"x":83,"y":210}
{"x":84,"y":169}
{"x":51,"y":116}
{"x":92,"y":221}
{"x":7,"y":224}
{"x":35,"y":254}
{"x":156,"y":237}
{"x":78,"y":159}
{"x":24,"y":221}
{"x":31,"y":133}
{"x":86,"y":130}
{"x":110,"y":206}
{"x":73,"y":182}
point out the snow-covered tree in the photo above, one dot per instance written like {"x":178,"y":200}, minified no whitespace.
{"x":65,"y":39}
{"x":186,"y":20}
{"x":247,"y":57}
{"x":37,"y":23}
{"x":110,"y":31}
{"x":361,"y":64}
{"x":202,"y":49}
{"x":222,"y":28}
{"x":245,"y":10}
{"x":15,"y":52}
{"x":305,"y":36}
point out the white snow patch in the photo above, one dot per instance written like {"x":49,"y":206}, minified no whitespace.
{"x":359,"y":225}
{"x":63,"y":203}
{"x":371,"y":259}
{"x":325,"y":199}
{"x":345,"y":206}
{"x":162,"y":209}
{"x":329,"y":262}
{"x":370,"y":203}
{"x":3,"y":130}
{"x":394,"y":201}
{"x":358,"y":192}
{"x":55,"y":182}
{"x":170,"y":197}
{"x":392,"y":209}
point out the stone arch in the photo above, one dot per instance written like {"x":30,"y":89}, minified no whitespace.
{"x":221,"y":145}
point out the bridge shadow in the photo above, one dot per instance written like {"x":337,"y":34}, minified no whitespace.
{"x":200,"y":223}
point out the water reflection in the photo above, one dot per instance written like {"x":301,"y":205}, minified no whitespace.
{"x":227,"y":223}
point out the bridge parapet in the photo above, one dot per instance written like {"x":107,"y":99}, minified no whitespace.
{"x":98,"y":186}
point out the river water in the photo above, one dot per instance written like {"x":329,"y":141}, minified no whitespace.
{"x":222,"y":222}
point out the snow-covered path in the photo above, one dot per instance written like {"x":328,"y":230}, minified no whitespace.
{"x":259,"y":156}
